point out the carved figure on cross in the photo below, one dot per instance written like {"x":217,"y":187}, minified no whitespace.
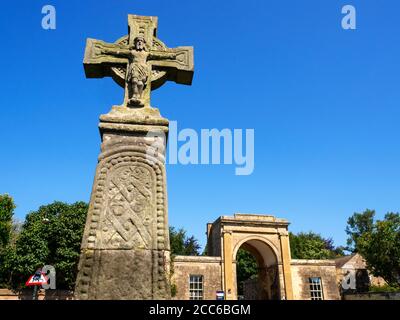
{"x":139,"y":62}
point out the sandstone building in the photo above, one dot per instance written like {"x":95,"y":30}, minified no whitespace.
{"x":267,"y":239}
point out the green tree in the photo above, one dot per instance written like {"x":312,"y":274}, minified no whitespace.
{"x":380,"y":247}
{"x":181,"y":244}
{"x":246,"y":268}
{"x":311,"y":245}
{"x":8,"y":231}
{"x":357,"y":225}
{"x":7,"y":207}
{"x":50,"y":236}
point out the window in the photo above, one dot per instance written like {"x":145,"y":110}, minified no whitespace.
{"x":196,"y":287}
{"x":316,"y":289}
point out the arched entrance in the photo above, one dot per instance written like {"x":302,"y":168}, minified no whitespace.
{"x":267,"y":239}
{"x":263,"y":283}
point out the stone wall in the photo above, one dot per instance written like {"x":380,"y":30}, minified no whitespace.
{"x":209,"y":267}
{"x":26,"y":294}
{"x":373,"y":296}
{"x":302,"y":270}
{"x":251,"y":289}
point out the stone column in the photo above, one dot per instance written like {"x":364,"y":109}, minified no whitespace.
{"x":287,"y":273}
{"x":125,"y":249}
{"x":229,"y":284}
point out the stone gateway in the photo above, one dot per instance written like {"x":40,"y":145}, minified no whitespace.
{"x":279,"y":276}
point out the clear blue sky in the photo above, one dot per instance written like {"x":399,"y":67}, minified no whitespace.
{"x":324,"y":103}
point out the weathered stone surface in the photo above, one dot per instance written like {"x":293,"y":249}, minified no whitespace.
{"x":208,"y":267}
{"x":302,"y":270}
{"x":125,"y":247}
{"x":123,"y":274}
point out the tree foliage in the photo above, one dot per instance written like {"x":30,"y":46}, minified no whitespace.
{"x":7,"y":207}
{"x":246,"y":268}
{"x":246,"y":265}
{"x":50,"y":236}
{"x":380,"y":247}
{"x":181,"y":244}
{"x":357,"y":225}
{"x":7,"y":235}
{"x":311,"y":245}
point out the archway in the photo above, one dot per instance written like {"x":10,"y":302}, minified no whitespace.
{"x":267,"y":238}
{"x":261,"y":262}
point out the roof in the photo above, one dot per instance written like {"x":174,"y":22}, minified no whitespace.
{"x":340,"y":262}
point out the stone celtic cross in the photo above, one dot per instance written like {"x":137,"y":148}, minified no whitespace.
{"x":125,"y":251}
{"x":139,"y":62}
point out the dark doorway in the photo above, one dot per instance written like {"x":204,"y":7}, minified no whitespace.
{"x":257,"y":272}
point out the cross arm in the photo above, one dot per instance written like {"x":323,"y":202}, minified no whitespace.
{"x":100,"y":56}
{"x":177,"y":61}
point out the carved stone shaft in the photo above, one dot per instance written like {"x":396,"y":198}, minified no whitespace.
{"x":125,"y":248}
